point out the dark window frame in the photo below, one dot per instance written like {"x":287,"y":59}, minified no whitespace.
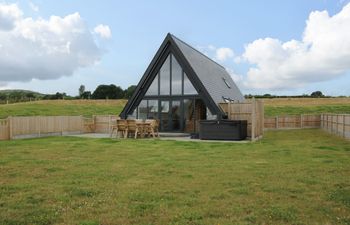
{"x":227,"y":84}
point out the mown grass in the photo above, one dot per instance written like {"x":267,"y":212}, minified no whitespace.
{"x":290,"y":177}
{"x":297,"y":106}
{"x":297,"y":110}
{"x":273,"y":107}
{"x":63,"y":107}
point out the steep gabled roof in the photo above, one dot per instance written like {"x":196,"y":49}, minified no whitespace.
{"x":211,"y":80}
{"x":212,"y":75}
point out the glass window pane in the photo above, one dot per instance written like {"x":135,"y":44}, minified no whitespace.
{"x":142,"y":110}
{"x":164,"y":116}
{"x":189,"y":115}
{"x":133,"y":115}
{"x":176,"y":114}
{"x":188,"y":87}
{"x":210,"y":116}
{"x":153,"y":89}
{"x":152,"y":109}
{"x":165,"y":77}
{"x":176,"y":77}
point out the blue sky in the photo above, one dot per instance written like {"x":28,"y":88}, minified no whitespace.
{"x":252,"y":39}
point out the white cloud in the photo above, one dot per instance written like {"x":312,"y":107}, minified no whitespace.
{"x":219,"y":54}
{"x":103,"y":30}
{"x":322,"y":54}
{"x":34,"y":7}
{"x":9,"y":14}
{"x":223,"y":54}
{"x":43,"y":49}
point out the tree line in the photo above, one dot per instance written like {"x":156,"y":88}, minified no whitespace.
{"x":315,"y":94}
{"x":112,"y":91}
{"x":102,"y":91}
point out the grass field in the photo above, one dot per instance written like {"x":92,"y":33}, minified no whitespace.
{"x":273,"y":107}
{"x":296,"y":106}
{"x":283,"y":179}
{"x":63,"y":107}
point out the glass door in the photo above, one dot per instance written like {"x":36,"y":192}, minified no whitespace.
{"x":189,"y":119}
{"x":165,"y":116}
{"x":176,"y":117}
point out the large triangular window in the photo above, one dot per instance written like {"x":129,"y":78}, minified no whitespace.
{"x":176,"y":77}
{"x":153,"y":89}
{"x":188,"y":86}
{"x":164,"y":73}
{"x":171,"y":80}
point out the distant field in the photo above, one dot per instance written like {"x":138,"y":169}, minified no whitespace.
{"x":273,"y":107}
{"x":63,"y":107}
{"x":283,"y":179}
{"x":292,"y":106}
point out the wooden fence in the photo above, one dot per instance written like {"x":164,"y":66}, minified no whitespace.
{"x":252,"y":111}
{"x":38,"y":126}
{"x":293,"y":122}
{"x":103,"y":123}
{"x":4,"y":129}
{"x":338,"y":124}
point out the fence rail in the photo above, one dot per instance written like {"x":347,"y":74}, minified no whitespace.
{"x":338,"y":124}
{"x":293,"y":122}
{"x":37,"y":126}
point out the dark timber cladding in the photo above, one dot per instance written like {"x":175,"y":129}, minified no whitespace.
{"x":180,"y":87}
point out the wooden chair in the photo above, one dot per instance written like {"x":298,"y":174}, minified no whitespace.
{"x":122,"y":127}
{"x":113,"y":127}
{"x":134,"y":127}
{"x":152,"y":128}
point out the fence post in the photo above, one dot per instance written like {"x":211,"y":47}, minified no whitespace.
{"x":109,"y":124}
{"x":81,"y":124}
{"x":9,"y":121}
{"x":94,"y":121}
{"x":253,"y":120}
{"x":39,"y":124}
{"x":338,"y":125}
{"x":344,"y":125}
{"x":301,"y":121}
{"x":61,"y":119}
{"x":276,"y":122}
{"x":327,"y":123}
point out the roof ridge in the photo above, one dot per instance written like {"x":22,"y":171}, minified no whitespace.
{"x":197,"y":50}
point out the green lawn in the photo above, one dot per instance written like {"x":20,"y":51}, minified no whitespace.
{"x":63,"y":107}
{"x":273,"y":107}
{"x":271,"y":110}
{"x":297,"y":106}
{"x":290,"y":177}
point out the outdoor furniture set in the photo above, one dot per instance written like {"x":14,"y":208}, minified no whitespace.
{"x":135,"y":128}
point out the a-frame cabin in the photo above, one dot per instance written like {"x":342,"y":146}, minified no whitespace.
{"x":180,"y":87}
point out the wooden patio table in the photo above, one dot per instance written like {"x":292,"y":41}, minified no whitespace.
{"x":142,"y":126}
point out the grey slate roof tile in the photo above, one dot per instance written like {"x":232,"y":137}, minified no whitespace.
{"x":210,"y":73}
